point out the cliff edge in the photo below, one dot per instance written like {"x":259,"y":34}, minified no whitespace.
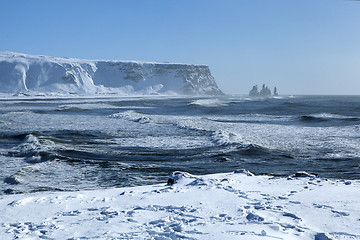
{"x":44,"y":74}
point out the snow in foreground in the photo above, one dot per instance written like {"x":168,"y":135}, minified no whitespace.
{"x":220,"y":206}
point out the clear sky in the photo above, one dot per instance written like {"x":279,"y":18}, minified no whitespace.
{"x":299,"y":46}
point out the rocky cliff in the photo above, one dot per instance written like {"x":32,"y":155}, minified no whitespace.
{"x":43,"y":74}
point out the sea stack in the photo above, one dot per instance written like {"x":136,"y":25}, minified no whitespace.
{"x":264,"y":92}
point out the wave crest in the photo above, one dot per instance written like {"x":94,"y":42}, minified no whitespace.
{"x":326,"y":117}
{"x":132,"y":115}
{"x":209,"y":103}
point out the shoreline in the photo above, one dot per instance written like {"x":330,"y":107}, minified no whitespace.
{"x":215,"y":206}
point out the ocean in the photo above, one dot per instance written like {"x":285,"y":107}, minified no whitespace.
{"x":69,"y":144}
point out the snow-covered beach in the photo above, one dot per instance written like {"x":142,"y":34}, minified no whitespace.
{"x":219,"y":206}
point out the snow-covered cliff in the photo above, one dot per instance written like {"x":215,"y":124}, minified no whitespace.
{"x":43,"y":74}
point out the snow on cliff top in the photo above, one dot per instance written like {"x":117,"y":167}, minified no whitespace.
{"x":11,"y":56}
{"x":43,"y":74}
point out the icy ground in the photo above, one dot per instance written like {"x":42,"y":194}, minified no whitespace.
{"x":220,"y":206}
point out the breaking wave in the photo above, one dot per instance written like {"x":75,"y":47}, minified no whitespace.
{"x":35,"y":150}
{"x":132,"y":115}
{"x":209,"y":103}
{"x":329,"y":118}
{"x":226,"y":138}
{"x":94,"y":143}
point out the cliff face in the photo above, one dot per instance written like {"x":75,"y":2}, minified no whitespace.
{"x":42,"y":74}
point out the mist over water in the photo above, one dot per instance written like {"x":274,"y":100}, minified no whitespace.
{"x":73,"y":144}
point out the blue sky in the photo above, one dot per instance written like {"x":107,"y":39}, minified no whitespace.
{"x":300,"y":46}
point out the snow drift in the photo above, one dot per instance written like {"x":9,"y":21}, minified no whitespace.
{"x":235,"y":205}
{"x":43,"y":74}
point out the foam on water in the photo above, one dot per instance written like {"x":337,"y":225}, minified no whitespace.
{"x":209,"y":103}
{"x":132,"y":116}
{"x":268,"y":132}
{"x":93,"y":143}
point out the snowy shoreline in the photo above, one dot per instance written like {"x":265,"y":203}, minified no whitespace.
{"x":234,"y":205}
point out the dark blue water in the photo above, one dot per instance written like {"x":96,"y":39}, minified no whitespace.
{"x":72,"y":144}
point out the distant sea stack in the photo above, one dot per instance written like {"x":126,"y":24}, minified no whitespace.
{"x":264,"y":92}
{"x":42,"y":74}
